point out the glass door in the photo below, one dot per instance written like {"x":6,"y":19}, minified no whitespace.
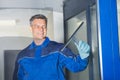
{"x":87,"y":33}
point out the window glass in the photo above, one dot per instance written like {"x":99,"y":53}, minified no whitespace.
{"x":89,"y":18}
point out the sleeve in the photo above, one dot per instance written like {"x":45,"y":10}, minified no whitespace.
{"x":71,"y":61}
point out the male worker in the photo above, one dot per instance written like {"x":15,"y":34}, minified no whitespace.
{"x":43,"y":60}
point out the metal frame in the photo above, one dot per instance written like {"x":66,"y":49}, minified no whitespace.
{"x":108,"y":39}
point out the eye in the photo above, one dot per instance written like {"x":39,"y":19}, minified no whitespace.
{"x":44,"y":26}
{"x":35,"y":26}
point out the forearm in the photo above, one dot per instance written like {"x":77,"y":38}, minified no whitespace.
{"x":74,"y":64}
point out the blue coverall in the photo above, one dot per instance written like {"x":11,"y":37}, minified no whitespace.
{"x":46,"y":62}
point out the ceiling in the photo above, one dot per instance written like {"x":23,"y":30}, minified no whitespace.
{"x":55,"y":5}
{"x":35,"y":4}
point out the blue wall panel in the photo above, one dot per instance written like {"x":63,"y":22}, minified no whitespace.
{"x":108,"y":39}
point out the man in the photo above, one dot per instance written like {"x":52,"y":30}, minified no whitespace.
{"x":43,"y":60}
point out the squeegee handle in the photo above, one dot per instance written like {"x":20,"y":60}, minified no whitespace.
{"x":72,"y":36}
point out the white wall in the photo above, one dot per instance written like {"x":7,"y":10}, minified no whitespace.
{"x":58,"y":26}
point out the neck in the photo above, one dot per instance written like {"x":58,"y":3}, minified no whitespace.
{"x":39,"y":41}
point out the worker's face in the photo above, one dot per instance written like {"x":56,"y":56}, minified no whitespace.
{"x":39,"y":29}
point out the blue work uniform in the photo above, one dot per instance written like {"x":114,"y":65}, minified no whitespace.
{"x":46,"y":62}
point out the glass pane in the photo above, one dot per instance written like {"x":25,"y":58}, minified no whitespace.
{"x":92,"y":72}
{"x":72,"y":25}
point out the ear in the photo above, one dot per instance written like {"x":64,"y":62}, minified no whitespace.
{"x":30,"y":28}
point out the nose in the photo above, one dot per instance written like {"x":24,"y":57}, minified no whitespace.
{"x":40,"y":28}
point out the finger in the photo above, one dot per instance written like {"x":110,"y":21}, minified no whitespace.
{"x":88,"y":49}
{"x":85,"y":48}
{"x":80,"y":44}
{"x":83,"y":45}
